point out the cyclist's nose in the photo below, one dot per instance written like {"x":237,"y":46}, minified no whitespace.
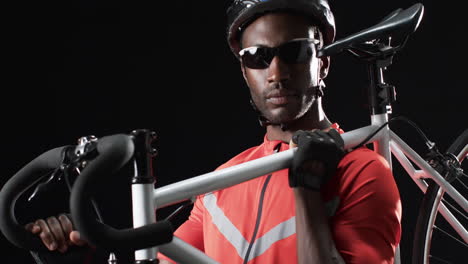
{"x":278,"y":71}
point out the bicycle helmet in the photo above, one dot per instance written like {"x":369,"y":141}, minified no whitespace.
{"x":242,"y":12}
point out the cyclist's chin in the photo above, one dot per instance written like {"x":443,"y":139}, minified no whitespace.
{"x":282,"y":116}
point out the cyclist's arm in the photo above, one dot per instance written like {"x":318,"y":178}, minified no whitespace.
{"x":367,"y":226}
{"x":315,"y":241}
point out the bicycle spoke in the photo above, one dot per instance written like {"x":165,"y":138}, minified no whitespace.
{"x":439,"y":259}
{"x":445,"y":202}
{"x":461,"y":182}
{"x":448,"y":234}
{"x":428,"y":242}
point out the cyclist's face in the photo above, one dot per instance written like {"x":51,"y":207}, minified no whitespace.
{"x":282,"y":92}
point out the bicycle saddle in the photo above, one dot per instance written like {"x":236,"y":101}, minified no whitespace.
{"x":399,"y":24}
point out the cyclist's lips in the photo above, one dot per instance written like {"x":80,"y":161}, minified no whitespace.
{"x":281,"y":97}
{"x":281,"y":100}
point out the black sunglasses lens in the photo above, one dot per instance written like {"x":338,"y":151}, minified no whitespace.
{"x":258,"y":58}
{"x":291,"y":52}
{"x":296,"y":51}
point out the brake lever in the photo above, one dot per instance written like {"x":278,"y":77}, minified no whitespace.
{"x":54,"y":180}
{"x":71,"y":158}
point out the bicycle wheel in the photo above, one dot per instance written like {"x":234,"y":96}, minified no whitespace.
{"x":435,"y":240}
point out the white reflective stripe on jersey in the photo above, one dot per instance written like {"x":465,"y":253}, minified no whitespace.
{"x":225,"y":226}
{"x":235,"y":237}
{"x":281,"y":231}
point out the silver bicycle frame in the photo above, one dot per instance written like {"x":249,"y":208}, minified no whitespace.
{"x":385,"y":143}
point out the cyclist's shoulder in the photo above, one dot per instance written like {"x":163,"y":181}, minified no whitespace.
{"x":363,"y":157}
{"x":365,"y":168}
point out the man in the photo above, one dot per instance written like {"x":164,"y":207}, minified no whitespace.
{"x":348,"y":212}
{"x":330,"y":206}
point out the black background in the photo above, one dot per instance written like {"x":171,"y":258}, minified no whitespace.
{"x":75,"y":68}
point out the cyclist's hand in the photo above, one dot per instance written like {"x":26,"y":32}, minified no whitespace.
{"x":56,"y":232}
{"x":316,"y":158}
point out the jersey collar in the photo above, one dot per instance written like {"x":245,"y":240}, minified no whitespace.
{"x":269,"y":146}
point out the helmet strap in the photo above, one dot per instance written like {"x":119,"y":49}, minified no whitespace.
{"x":319,"y":89}
{"x":264,"y":122}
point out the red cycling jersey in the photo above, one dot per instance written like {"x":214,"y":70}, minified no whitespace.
{"x":254,"y":222}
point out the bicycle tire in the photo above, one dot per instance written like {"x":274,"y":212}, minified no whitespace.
{"x":428,"y":210}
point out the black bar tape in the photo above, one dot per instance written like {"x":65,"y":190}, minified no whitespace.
{"x":12,"y":190}
{"x":114,"y":152}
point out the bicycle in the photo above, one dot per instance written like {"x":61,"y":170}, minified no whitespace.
{"x":110,"y":153}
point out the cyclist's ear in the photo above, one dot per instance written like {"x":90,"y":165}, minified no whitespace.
{"x":242,"y":68}
{"x":244,"y":73}
{"x":324,"y":65}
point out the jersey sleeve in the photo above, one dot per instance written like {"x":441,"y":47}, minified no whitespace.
{"x":191,"y":231}
{"x":367,"y":227}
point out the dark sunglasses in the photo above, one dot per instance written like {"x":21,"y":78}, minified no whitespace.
{"x":294,"y":51}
